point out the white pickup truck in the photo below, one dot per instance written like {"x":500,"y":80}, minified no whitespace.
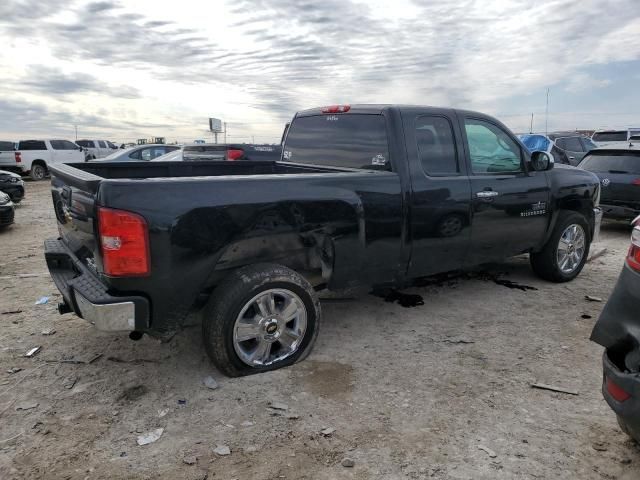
{"x":33,"y":157}
{"x":97,"y":148}
{"x":7,"y":155}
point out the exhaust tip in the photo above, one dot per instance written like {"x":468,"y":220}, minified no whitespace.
{"x":135,"y":335}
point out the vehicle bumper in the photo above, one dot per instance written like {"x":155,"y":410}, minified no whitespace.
{"x":7,"y":214}
{"x":619,"y":212}
{"x":88,"y":297}
{"x":628,"y":410}
{"x":14,"y":190}
{"x":597,"y":222}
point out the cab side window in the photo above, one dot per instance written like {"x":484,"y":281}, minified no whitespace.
{"x":491,"y":149}
{"x":436,"y":146}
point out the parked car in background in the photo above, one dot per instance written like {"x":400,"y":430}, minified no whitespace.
{"x":218,"y":151}
{"x":139,"y":153}
{"x":7,"y":155}
{"x":618,"y":331}
{"x":33,"y":157}
{"x":619,"y":174}
{"x":615,"y":138}
{"x":566,"y":147}
{"x":421,"y":190}
{"x":96,"y":148}
{"x":7,"y":211}
{"x":12,"y":184}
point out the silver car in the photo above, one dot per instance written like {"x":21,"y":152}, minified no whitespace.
{"x":139,"y":153}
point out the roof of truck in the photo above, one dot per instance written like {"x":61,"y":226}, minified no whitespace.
{"x":374,"y":108}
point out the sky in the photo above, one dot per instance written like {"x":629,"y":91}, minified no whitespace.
{"x":129,"y":69}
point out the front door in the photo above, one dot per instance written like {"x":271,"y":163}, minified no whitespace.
{"x":510,"y":205}
{"x":441,"y":193}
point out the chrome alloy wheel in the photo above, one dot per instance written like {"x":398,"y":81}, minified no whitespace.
{"x":270,"y":327}
{"x":571,"y":248}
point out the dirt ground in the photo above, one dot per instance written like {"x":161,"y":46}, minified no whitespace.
{"x":441,"y":390}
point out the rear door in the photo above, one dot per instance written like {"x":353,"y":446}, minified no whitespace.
{"x":440,"y":221}
{"x":510,"y":206}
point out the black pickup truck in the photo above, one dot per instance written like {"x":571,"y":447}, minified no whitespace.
{"x":373,"y":195}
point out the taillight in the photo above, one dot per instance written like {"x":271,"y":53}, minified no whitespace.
{"x":616,"y":391}
{"x":336,"y":109}
{"x":234,"y":154}
{"x":124,"y":240}
{"x":636,"y":182}
{"x":633,"y":257}
{"x":18,"y":156}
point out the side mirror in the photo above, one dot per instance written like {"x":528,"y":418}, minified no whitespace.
{"x":541,"y":161}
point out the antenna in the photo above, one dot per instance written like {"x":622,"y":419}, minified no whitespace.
{"x":531,"y":126}
{"x":546,"y":115}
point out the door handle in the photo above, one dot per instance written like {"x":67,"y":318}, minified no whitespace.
{"x":487,"y":194}
{"x":572,"y":158}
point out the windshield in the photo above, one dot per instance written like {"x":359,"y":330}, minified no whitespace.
{"x":118,"y":153}
{"x":535,"y":143}
{"x":623,"y":162}
{"x":618,"y":136}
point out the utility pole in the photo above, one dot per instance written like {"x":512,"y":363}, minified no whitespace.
{"x":225,"y":132}
{"x":76,"y":128}
{"x":531,"y":126}
{"x":546,"y":115}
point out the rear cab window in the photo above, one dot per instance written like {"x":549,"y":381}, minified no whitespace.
{"x":339,"y":140}
{"x":7,"y":146}
{"x":623,"y":162}
{"x":32,"y":145}
{"x":618,"y":136}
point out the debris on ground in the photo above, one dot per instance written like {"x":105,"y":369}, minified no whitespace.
{"x":11,"y":312}
{"x":134,"y":361}
{"x":42,"y":301}
{"x":150,"y":437}
{"x":406,"y":300}
{"x":247,"y":423}
{"x":348,"y":463}
{"x":327,"y":431}
{"x":457,"y":340}
{"x":600,"y":446}
{"x":32,"y":352}
{"x":292,"y":416}
{"x":510,"y":284}
{"x":222,"y":450}
{"x":190,"y":460}
{"x":553,"y":388}
{"x":13,"y":370}
{"x":488,"y":451}
{"x":591,"y":298}
{"x":163,"y":412}
{"x":70,"y":382}
{"x":210,"y":383}
{"x":76,"y":361}
{"x":48,"y":331}
{"x":593,"y":255}
{"x":586,"y":316}
{"x":27,"y":406}
{"x":182,"y":402}
{"x":278,"y":406}
{"x":133,"y":393}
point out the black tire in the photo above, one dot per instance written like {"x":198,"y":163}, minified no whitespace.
{"x":545,"y":264}
{"x":38,"y":172}
{"x":229,"y":299}
{"x":623,"y":426}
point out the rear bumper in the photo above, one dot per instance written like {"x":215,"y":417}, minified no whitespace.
{"x":628,"y":410}
{"x":619,"y":212}
{"x":88,"y":297}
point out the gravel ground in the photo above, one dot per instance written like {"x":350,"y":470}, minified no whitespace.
{"x":440,"y":390}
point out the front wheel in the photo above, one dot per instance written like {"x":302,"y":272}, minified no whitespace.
{"x":565,"y":253}
{"x":262,"y":318}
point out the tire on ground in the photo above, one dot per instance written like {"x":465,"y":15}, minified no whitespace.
{"x":228,"y":300}
{"x":544,"y":263}
{"x":38,"y":171}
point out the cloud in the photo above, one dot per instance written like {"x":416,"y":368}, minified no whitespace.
{"x":296,"y":54}
{"x":55,"y":82}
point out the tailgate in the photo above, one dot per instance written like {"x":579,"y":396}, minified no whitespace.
{"x":619,"y":189}
{"x":74,"y":200}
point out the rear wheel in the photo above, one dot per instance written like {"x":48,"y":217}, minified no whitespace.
{"x":566,"y":251}
{"x":262,"y":318}
{"x":38,"y":171}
